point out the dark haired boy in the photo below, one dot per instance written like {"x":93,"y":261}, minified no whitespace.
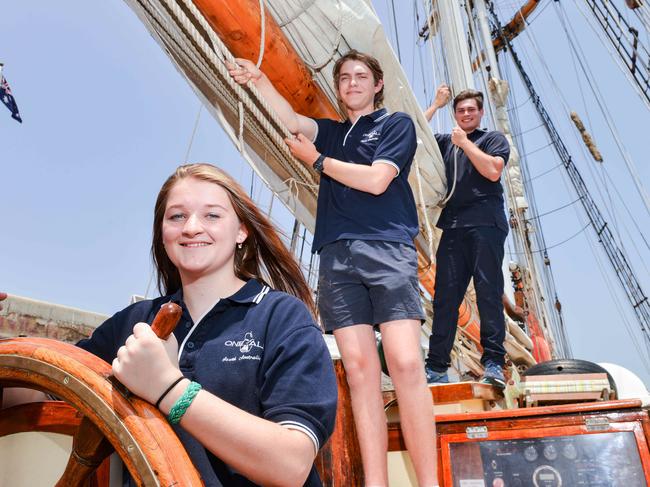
{"x":474,"y":231}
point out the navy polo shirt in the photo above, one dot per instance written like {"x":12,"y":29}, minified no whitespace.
{"x":346,"y":213}
{"x":476,"y":201}
{"x":259,"y":350}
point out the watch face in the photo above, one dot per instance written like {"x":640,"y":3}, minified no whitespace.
{"x":530,"y":454}
{"x":550,"y":452}
{"x":569,"y":451}
{"x":318,"y":164}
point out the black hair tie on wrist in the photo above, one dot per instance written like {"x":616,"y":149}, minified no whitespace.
{"x":162,"y":396}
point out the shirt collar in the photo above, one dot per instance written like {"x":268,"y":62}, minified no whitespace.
{"x":378,"y":115}
{"x":477,"y":132}
{"x":251,"y":292}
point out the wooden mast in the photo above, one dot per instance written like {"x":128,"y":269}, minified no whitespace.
{"x":238,"y":24}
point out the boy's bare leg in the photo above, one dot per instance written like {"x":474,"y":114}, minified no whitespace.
{"x":401,"y":342}
{"x":363,"y":371}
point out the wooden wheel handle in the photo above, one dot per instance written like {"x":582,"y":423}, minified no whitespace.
{"x":166,"y":320}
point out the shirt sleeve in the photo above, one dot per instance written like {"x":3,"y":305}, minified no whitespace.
{"x":398,"y":141}
{"x":324,"y":127}
{"x":102,"y":341}
{"x":298,"y":388}
{"x":496,"y":145}
{"x":443,"y":141}
{"x":108,"y":337}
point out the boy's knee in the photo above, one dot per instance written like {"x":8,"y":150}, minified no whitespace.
{"x":404,"y":366}
{"x":360,"y":369}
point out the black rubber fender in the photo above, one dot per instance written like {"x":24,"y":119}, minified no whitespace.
{"x":569,"y":366}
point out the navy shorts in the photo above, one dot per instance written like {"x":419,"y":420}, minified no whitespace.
{"x":368,"y":282}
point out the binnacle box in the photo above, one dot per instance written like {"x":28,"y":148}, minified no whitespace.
{"x":589,"y":444}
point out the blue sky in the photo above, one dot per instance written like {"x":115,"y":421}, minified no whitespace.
{"x":107,"y":118}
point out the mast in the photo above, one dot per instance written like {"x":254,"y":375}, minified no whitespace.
{"x":452,"y":35}
{"x":616,"y":256}
{"x":528,"y":283}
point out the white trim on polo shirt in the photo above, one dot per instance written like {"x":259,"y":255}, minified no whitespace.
{"x":295,"y":425}
{"x":382,"y":117}
{"x":350,"y":130}
{"x":182,"y":345}
{"x":265,"y":290}
{"x":390,"y":163}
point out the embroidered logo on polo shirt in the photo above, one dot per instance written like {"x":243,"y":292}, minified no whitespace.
{"x":249,"y":348}
{"x":370,"y":136}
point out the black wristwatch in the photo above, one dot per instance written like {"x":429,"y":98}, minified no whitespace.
{"x":318,"y":164}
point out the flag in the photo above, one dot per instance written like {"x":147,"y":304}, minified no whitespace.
{"x":8,"y":99}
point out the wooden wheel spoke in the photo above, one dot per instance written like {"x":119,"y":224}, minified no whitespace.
{"x":89,"y":449}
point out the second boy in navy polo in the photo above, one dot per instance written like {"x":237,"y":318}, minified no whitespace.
{"x":476,"y":200}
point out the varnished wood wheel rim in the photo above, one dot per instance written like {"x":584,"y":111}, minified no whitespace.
{"x":139,"y":433}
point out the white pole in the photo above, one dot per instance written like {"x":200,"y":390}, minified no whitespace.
{"x":486,"y":37}
{"x":453,"y":39}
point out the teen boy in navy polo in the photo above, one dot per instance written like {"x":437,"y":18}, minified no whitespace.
{"x":343,"y":213}
{"x":365,"y":224}
{"x":474,"y":231}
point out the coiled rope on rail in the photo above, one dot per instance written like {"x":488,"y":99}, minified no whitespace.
{"x":214,"y":58}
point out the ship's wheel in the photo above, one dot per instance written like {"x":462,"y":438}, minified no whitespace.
{"x":101,"y":415}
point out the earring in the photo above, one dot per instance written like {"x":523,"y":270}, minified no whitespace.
{"x":239,"y":245}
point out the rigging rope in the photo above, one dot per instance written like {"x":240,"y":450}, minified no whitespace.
{"x":539,"y":215}
{"x":262,"y":34}
{"x":268,"y":122}
{"x":523,"y":156}
{"x":556,"y":244}
{"x":196,"y":124}
{"x":617,"y":258}
{"x":558,"y":93}
{"x":631,"y":166}
{"x":399,"y":52}
{"x":575,"y":46}
{"x":548,"y":170}
{"x":611,"y":289}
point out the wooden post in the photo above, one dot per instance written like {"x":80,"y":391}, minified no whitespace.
{"x":339,"y":461}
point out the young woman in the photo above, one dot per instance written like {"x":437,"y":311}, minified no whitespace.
{"x":246,"y":354}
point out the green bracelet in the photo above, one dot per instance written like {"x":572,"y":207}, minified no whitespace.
{"x":182,"y":403}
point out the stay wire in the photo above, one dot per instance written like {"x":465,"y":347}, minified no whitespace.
{"x":539,"y":215}
{"x":196,"y":124}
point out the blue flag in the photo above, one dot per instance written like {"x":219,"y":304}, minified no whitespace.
{"x":8,"y":99}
